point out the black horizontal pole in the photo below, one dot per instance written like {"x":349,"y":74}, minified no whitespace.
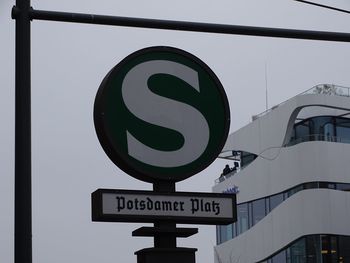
{"x":188,"y":26}
{"x":324,"y":6}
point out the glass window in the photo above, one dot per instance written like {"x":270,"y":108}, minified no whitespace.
{"x":293,"y":137}
{"x":313,"y":248}
{"x":327,"y":185}
{"x":328,"y":132}
{"x":331,"y":186}
{"x":280,"y":257}
{"x":343,"y":187}
{"x":288,"y":258}
{"x":247,"y":158}
{"x":343,"y":134}
{"x":218,"y":240}
{"x":234,"y":230}
{"x":342,"y":129}
{"x":329,"y":249}
{"x":319,"y":124}
{"x":258,"y":210}
{"x":294,"y":190}
{"x":344,"y":249}
{"x":335,"y":129}
{"x":275,"y":200}
{"x":223,"y":234}
{"x":298,"y":251}
{"x":250,"y":214}
{"x":242,"y":218}
{"x":311,"y":185}
{"x":302,"y":131}
{"x":229,"y":232}
{"x":267,"y":205}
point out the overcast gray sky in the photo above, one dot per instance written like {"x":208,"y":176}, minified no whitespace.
{"x":70,"y":60}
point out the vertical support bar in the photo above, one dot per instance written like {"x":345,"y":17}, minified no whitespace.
{"x":23,"y":186}
{"x":164,"y":241}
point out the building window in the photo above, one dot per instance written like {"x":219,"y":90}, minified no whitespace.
{"x":267,"y":205}
{"x":275,"y":200}
{"x":294,"y":190}
{"x":343,"y":187}
{"x":280,"y":257}
{"x":302,"y":131}
{"x":328,"y":132}
{"x":247,"y":158}
{"x":229,"y":232}
{"x":343,"y":129}
{"x":327,"y":185}
{"x":329,"y":250}
{"x":242,"y":218}
{"x":218,"y":239}
{"x":298,"y":252}
{"x":314,"y":249}
{"x":322,"y":128}
{"x":311,"y":185}
{"x":223,"y":234}
{"x":258,"y":210}
{"x":344,"y":249}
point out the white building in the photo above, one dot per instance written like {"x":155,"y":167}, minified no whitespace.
{"x":293,"y":184}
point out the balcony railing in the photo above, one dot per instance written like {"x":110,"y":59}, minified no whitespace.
{"x":226,"y":176}
{"x":318,"y":137}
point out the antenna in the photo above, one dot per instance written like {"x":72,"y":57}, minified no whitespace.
{"x":266,"y":93}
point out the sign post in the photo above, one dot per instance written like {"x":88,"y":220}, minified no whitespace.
{"x":23,"y":159}
{"x":162,"y":115}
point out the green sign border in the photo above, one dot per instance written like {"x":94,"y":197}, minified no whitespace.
{"x":106,"y":113}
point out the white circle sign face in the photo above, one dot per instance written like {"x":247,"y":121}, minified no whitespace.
{"x":166,"y":113}
{"x":161,"y":114}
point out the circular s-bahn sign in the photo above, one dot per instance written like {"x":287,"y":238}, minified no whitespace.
{"x":161,"y":114}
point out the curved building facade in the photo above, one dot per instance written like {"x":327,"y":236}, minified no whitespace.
{"x":292,"y":183}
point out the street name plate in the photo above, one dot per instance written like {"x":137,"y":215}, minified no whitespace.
{"x":145,"y":206}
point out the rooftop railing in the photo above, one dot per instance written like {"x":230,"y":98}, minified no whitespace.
{"x":325,"y":89}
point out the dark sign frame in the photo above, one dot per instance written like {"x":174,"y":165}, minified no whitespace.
{"x":98,"y":216}
{"x":123,"y":160}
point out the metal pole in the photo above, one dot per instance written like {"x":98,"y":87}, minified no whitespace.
{"x":23,"y":192}
{"x":189,"y":26}
{"x":165,"y":241}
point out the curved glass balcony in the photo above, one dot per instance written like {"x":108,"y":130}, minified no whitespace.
{"x":321,"y":128}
